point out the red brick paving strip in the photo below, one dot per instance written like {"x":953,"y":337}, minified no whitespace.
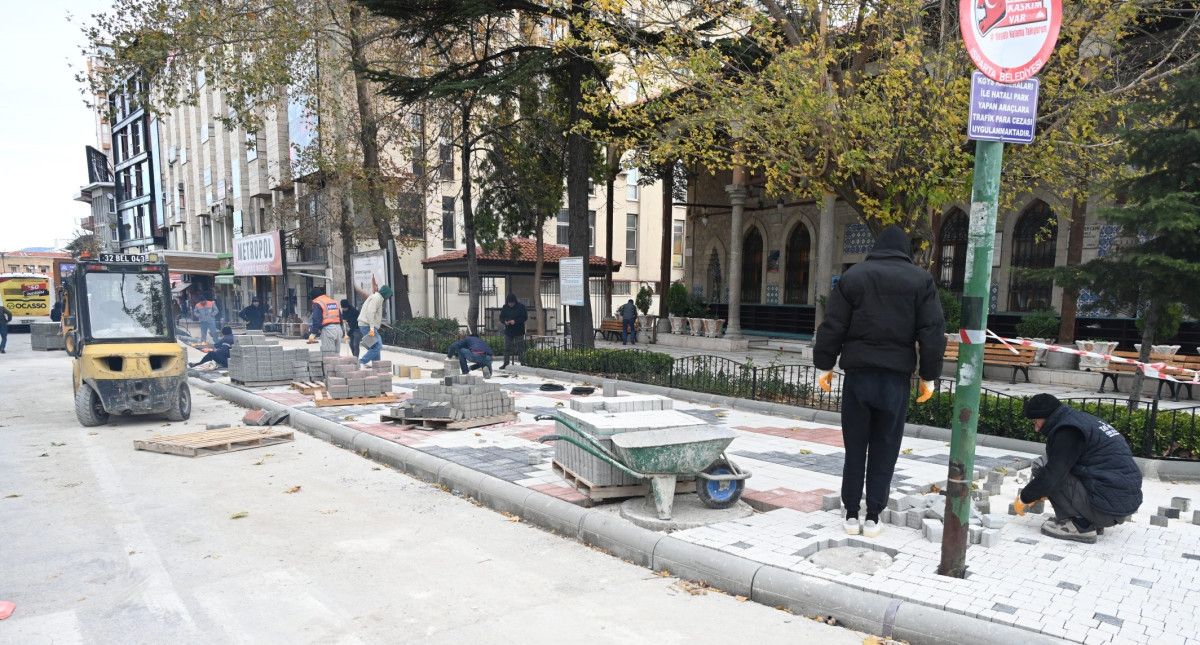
{"x":827,"y":436}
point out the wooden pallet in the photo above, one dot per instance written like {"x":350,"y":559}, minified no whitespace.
{"x":321,"y":398}
{"x":259,"y":383}
{"x":307,"y":387}
{"x":449,"y":424}
{"x":212,"y":442}
{"x":599,"y":493}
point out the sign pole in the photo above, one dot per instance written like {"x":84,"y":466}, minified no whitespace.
{"x":965,"y":416}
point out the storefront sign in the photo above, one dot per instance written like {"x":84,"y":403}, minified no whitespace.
{"x":258,"y":255}
{"x":370,"y":273}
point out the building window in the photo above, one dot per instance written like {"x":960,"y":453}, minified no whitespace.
{"x":677,"y":245}
{"x":562,"y":232}
{"x":752,"y":270}
{"x":631,"y":185}
{"x":715,"y":279}
{"x":564,"y":228}
{"x":135,"y":138}
{"x":182,"y":154}
{"x":487,"y":286}
{"x":1033,"y":247}
{"x":448,"y":216}
{"x":795,"y":291}
{"x":631,"y":239}
{"x":204,"y":132}
{"x":207,"y":176}
{"x":622,"y":288}
{"x":952,"y":251}
{"x":591,"y":188}
{"x":446,"y":156}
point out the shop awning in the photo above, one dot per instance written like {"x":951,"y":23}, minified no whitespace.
{"x":179,"y":288}
{"x":192,"y":263}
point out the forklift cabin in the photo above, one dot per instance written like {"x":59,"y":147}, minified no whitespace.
{"x":121,"y":336}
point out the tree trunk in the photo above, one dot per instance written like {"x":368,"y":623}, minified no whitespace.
{"x":537,"y":279}
{"x":346,"y":231}
{"x":469,"y":223}
{"x":664,"y":262}
{"x":608,"y":228}
{"x":1070,"y":300}
{"x":369,"y":139}
{"x":579,"y":161}
{"x":1149,"y":328}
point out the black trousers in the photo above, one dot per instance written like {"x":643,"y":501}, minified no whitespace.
{"x":874,"y":404}
{"x":355,"y":335}
{"x":1071,"y":500}
{"x":514,"y":346}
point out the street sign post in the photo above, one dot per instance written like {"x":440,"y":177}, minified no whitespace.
{"x":1009,"y":41}
{"x":1004,"y":113}
{"x":570,"y":281}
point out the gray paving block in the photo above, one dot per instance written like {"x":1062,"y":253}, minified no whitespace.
{"x":1037,"y":508}
{"x":994,"y":477}
{"x":916,"y":519}
{"x":898,"y":502}
{"x":1158,"y":520}
{"x":934,"y":533}
{"x":1184,"y":504}
{"x":993,"y":521}
{"x":1170,"y":512}
{"x":974,"y":533}
{"x":989,"y":538}
{"x":1195,"y":517}
{"x":984,"y":507}
{"x":831,"y":501}
{"x":896,"y":518}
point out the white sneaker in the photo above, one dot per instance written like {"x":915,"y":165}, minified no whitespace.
{"x":851,"y":526}
{"x":872,"y":529}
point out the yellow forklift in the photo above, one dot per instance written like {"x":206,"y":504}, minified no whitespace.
{"x":119,"y":330}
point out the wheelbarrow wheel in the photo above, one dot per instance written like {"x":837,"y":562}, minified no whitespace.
{"x":719,"y":494}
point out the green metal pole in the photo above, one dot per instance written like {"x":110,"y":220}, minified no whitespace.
{"x":965,"y":417}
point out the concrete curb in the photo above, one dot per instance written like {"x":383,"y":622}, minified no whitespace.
{"x":771,"y":586}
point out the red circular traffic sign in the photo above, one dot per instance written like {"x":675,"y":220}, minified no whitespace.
{"x":1010,"y":40}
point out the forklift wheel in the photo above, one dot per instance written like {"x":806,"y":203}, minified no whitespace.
{"x":182,"y":409}
{"x":88,"y":408}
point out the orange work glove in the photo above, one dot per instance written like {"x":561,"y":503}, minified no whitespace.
{"x":926,"y":391}
{"x":1020,"y":506}
{"x":311,"y":339}
{"x":826,"y":380}
{"x":372,"y":332}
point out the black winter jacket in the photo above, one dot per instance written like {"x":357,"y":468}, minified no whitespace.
{"x":879,"y":312}
{"x":1093,"y":451}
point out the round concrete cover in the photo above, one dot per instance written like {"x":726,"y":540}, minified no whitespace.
{"x":688,"y":513}
{"x":851,"y":559}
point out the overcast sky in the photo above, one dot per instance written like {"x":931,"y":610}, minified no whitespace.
{"x":44,"y":124}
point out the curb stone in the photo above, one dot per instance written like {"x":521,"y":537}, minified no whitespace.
{"x":854,"y":608}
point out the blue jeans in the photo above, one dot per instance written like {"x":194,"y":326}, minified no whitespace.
{"x":628,"y":328}
{"x":478,"y":360}
{"x":209,"y":329}
{"x":3,"y":337}
{"x":373,"y":353}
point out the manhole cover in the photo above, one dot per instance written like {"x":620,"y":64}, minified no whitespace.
{"x":851,"y":559}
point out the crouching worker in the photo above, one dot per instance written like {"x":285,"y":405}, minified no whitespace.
{"x":472,"y":349}
{"x":1088,"y":473}
{"x":220,"y":355}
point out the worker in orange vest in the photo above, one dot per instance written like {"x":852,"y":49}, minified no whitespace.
{"x":327,"y":321}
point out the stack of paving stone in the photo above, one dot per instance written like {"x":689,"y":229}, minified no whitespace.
{"x":306,"y":365}
{"x":254,"y":358}
{"x":460,"y":396}
{"x":1179,"y":506}
{"x":603,"y":417}
{"x":47,"y":336}
{"x":345,"y":378}
{"x":925,"y":511}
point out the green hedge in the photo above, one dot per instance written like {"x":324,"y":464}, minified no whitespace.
{"x":645,"y":367}
{"x":431,"y":326}
{"x":1175,"y":434}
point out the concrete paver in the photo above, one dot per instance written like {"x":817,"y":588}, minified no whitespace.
{"x":1132,"y":586}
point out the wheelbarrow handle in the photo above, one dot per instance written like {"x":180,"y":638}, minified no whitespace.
{"x":595,"y":453}
{"x":570,"y":424}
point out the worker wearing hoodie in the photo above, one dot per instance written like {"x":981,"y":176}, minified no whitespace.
{"x":369,"y":320}
{"x":878,"y":314}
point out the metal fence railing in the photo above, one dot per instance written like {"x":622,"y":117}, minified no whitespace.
{"x":1150,"y":431}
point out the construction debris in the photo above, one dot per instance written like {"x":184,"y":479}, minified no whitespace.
{"x":462,"y":396}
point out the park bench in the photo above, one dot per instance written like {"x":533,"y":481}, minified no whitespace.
{"x":610,"y":330}
{"x":1176,"y":368}
{"x":999,"y":355}
{"x":950,"y":357}
{"x":1115,"y":370}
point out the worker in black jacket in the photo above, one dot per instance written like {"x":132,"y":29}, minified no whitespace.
{"x":877,"y":315}
{"x":1088,"y":473}
{"x":513,"y":316}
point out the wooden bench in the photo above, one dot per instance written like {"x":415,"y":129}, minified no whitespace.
{"x":611,"y":330}
{"x":951,"y":353}
{"x":1115,"y":370}
{"x":1001,"y":356}
{"x":1176,"y":368}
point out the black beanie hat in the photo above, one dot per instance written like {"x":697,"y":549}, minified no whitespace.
{"x":1040,"y":406}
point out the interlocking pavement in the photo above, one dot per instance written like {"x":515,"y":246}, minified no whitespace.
{"x":1138,"y":584}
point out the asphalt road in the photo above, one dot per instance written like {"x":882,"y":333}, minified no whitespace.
{"x":106,"y":544}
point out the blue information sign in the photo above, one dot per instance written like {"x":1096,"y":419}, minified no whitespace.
{"x":1002,"y":112}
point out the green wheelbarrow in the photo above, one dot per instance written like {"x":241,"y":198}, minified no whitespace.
{"x":661,"y":456}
